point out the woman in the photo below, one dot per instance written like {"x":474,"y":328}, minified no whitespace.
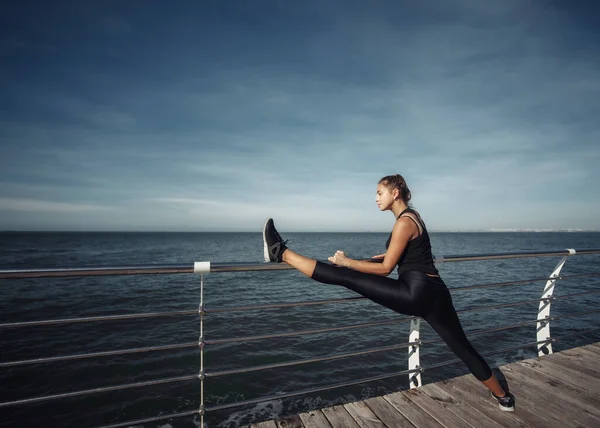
{"x":418,"y":291}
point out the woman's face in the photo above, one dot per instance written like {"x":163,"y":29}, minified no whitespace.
{"x":384,"y":197}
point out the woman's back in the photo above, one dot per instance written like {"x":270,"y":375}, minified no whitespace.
{"x":417,"y":255}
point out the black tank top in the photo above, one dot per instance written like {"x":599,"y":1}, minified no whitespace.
{"x":417,"y":254}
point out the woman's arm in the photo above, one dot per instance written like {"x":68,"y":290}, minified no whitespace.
{"x":403,"y":231}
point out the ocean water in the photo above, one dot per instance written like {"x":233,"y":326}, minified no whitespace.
{"x":40,"y":299}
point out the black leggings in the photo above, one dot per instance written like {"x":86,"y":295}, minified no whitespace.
{"x":414,"y":293}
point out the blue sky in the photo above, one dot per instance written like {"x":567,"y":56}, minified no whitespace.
{"x":215,"y":115}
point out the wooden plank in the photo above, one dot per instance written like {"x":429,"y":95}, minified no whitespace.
{"x":459,"y":408}
{"x":552,"y":391}
{"x":339,"y":417}
{"x":363,"y":416}
{"x":582,"y":356}
{"x":289,"y":422}
{"x":577,"y":369}
{"x":549,"y":403}
{"x":579,"y":358}
{"x":560,"y":370}
{"x":525,"y":409}
{"x":588,"y":349}
{"x":314,"y":419}
{"x":480,"y":401}
{"x":553,"y":386}
{"x":265,"y":424}
{"x":594,"y":347}
{"x":440,"y":413}
{"x":417,"y":416}
{"x":585,"y":350}
{"x":557,"y":397}
{"x":387,"y":413}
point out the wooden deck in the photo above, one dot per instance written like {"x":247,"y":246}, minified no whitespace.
{"x":558,"y":390}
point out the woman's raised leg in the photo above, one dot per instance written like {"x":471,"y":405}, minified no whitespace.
{"x":303,"y":264}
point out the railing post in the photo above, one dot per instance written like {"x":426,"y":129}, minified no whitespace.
{"x":414,"y":378}
{"x":543,"y":324}
{"x":201,"y":268}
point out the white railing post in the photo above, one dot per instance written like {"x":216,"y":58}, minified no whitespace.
{"x":414,"y":378}
{"x":543,"y":325}
{"x":201,"y":268}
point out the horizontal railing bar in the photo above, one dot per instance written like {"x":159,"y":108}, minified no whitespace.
{"x":167,"y":314}
{"x":580,"y":275}
{"x":485,"y":354}
{"x":226,"y":309}
{"x":583,"y":293}
{"x":511,"y":255}
{"x":495,"y":329}
{"x":242,"y":266}
{"x":307,"y":360}
{"x":576,"y":314}
{"x":96,"y":271}
{"x":99,"y":390}
{"x":353,"y":354}
{"x":353,"y":299}
{"x":138,"y":270}
{"x":353,"y":326}
{"x":499,"y":284}
{"x":281,"y":305}
{"x":525,"y":302}
{"x":522,"y":281}
{"x":99,"y":354}
{"x":308,"y":391}
{"x":503,"y":305}
{"x":312,"y":390}
{"x":226,"y":372}
{"x":154,"y":419}
{"x":235,"y":371}
{"x":371,"y":351}
{"x":345,"y":300}
{"x":300,"y":333}
{"x":98,"y":318}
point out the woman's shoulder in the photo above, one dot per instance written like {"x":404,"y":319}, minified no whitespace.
{"x":409,"y":213}
{"x":412,"y":219}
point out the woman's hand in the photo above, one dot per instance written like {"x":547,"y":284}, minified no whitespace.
{"x":340,"y":259}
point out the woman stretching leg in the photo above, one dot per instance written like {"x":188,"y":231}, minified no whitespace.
{"x":418,"y":291}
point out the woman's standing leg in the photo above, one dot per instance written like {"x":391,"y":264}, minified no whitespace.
{"x":444,"y":320}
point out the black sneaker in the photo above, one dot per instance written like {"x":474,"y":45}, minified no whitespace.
{"x":274,"y":245}
{"x":506,"y":403}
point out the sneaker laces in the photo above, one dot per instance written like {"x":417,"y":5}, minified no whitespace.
{"x":280,"y":239}
{"x":506,"y":399}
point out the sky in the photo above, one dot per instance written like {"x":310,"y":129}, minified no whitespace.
{"x":216,"y":115}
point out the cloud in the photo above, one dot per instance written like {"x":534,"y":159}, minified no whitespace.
{"x":479,"y":105}
{"x":32,"y":205}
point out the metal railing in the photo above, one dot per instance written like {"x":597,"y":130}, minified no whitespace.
{"x":543,"y":342}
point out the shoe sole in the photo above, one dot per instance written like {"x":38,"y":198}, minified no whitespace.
{"x":266,"y":249}
{"x":506,"y":409}
{"x":501,"y":407}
